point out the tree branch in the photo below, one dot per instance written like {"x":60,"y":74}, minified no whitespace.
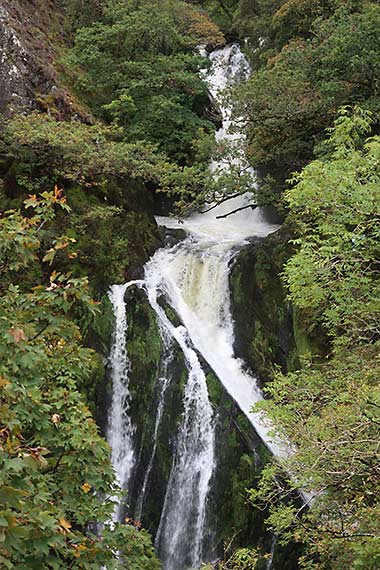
{"x":253,"y":206}
{"x":225,"y":199}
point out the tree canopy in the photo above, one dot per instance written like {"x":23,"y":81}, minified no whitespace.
{"x":330,"y":408}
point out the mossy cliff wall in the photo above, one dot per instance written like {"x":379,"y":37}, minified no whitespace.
{"x":239,"y":452}
{"x":269,"y":331}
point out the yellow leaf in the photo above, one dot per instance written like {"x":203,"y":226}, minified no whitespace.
{"x":3,"y":382}
{"x":64,"y":524}
{"x":86,"y":487}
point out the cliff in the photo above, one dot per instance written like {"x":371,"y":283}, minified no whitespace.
{"x":33,"y":37}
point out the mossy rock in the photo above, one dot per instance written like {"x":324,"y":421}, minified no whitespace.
{"x":269,"y":331}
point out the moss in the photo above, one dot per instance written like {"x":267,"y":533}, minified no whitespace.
{"x":269,"y":331}
{"x":145,"y":351}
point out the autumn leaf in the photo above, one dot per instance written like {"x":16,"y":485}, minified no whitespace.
{"x":79,"y":550}
{"x":65,"y":525}
{"x":86,"y":487}
{"x":3,"y":382}
{"x":58,"y":193}
{"x":18,"y":334}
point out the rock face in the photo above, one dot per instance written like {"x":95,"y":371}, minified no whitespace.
{"x":31,"y":31}
{"x":16,"y":65}
{"x":269,"y":331}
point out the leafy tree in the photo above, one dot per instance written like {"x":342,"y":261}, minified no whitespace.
{"x":46,"y":150}
{"x":330,"y":408}
{"x":138,"y":68}
{"x":291,"y":100}
{"x":55,"y":478}
{"x":81,"y":12}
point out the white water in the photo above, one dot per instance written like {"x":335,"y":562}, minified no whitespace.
{"x":120,"y":430}
{"x":180,"y":534}
{"x":194,"y":275}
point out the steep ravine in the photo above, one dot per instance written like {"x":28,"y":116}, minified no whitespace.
{"x":196,"y":443}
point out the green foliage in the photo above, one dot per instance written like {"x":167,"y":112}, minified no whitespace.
{"x":335,"y":208}
{"x":52,"y":151}
{"x":55,"y":478}
{"x":139,"y":70}
{"x":330,"y":408}
{"x":295,"y":18}
{"x":331,"y":59}
{"x":81,"y":12}
{"x":241,"y":559}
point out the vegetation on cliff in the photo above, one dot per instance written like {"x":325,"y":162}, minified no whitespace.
{"x":56,"y":481}
{"x":313,"y":62}
{"x":330,"y":408}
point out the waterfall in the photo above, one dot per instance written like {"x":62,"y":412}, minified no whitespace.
{"x":269,"y":565}
{"x":193,"y":277}
{"x":180,"y":534}
{"x":120,"y":429}
{"x":194,"y":274}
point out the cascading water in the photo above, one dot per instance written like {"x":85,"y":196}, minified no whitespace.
{"x":120,"y":429}
{"x":193,"y":276}
{"x":180,"y":534}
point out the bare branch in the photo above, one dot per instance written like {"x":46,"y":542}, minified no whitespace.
{"x":253,"y":206}
{"x":225,"y":199}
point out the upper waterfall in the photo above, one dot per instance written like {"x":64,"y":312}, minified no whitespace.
{"x":194,"y":274}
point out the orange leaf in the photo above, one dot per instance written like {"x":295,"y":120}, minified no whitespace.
{"x":65,"y":524}
{"x":18,"y":334}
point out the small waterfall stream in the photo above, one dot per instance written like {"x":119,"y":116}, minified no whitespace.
{"x":120,"y":429}
{"x":193,"y":277}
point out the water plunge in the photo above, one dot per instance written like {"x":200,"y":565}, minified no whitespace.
{"x":193,"y":276}
{"x":120,"y":429}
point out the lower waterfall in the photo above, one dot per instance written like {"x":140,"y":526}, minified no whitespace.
{"x":180,"y":533}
